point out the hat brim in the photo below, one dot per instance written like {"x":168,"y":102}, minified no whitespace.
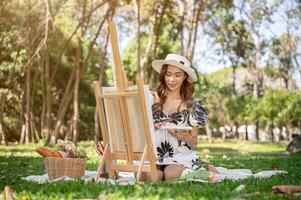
{"x":157,"y":65}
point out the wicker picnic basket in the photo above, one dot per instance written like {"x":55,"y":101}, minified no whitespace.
{"x":58,"y":167}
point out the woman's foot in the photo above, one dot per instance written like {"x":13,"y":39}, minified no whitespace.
{"x":211,"y":168}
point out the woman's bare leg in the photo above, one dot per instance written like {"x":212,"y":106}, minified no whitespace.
{"x":173,"y":171}
{"x":146,"y":176}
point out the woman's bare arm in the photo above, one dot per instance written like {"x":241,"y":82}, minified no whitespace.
{"x":189,"y":137}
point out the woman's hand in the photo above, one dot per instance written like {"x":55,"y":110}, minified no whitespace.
{"x":189,"y":137}
{"x":158,"y":125}
{"x":179,"y":135}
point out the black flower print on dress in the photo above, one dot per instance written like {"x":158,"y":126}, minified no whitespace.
{"x":158,"y":116}
{"x":176,"y":118}
{"x":165,"y":150}
{"x":198,"y":115}
{"x":196,"y":163}
{"x":179,"y":143}
{"x":186,"y":145}
{"x":182,"y":143}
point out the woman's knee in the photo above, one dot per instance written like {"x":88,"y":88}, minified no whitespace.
{"x":160,"y":175}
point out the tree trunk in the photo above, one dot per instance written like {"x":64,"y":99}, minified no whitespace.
{"x":101,"y":78}
{"x":46,"y":128}
{"x":224,"y":133}
{"x":102,"y":61}
{"x":209,"y":133}
{"x":183,"y":12}
{"x":27,"y":104}
{"x":299,"y":125}
{"x":286,"y":76}
{"x":27,"y":90}
{"x":157,"y":31}
{"x":43,"y":85}
{"x":3,"y":98}
{"x":247,"y":134}
{"x":236,"y":130}
{"x":2,"y":133}
{"x":191,"y":27}
{"x":289,"y":132}
{"x":69,"y":131}
{"x":271,"y":130}
{"x":257,"y":130}
{"x":22,"y":114}
{"x":149,"y":48}
{"x":139,"y":67}
{"x":147,"y":56}
{"x":159,"y":26}
{"x":195,"y":32}
{"x":63,"y":107}
{"x":256,"y":73}
{"x":298,"y":67}
{"x":34,"y":131}
{"x":234,"y":79}
{"x":23,"y":133}
{"x":76,"y":91}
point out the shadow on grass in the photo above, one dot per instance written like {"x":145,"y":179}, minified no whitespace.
{"x":219,"y":151}
{"x":266,"y":154}
{"x":13,"y":151}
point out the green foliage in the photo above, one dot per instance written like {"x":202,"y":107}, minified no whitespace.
{"x":167,"y":44}
{"x":240,"y":108}
{"x":18,"y":42}
{"x":233,"y":36}
{"x":278,"y":106}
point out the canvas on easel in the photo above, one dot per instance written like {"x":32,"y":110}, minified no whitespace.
{"x":126,"y":122}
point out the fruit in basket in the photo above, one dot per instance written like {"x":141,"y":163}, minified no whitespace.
{"x":68,"y":147}
{"x":80,"y":153}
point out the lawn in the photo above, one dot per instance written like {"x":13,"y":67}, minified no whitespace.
{"x":19,"y":161}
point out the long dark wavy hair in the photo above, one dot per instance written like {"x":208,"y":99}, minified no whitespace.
{"x":186,"y":91}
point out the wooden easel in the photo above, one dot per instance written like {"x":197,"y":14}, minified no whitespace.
{"x":116,"y":115}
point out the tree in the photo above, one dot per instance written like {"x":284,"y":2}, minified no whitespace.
{"x":282,"y":50}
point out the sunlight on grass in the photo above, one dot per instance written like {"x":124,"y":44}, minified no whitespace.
{"x":20,"y":161}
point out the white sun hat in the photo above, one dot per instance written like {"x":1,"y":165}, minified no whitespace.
{"x":177,"y":61}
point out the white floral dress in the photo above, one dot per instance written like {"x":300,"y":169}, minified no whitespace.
{"x":174,"y":151}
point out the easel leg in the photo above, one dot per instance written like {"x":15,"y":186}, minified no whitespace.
{"x":102,"y":163}
{"x":141,"y":163}
{"x":152,"y":163}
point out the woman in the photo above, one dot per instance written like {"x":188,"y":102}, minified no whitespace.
{"x":175,"y":108}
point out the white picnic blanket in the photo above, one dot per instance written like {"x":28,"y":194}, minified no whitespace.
{"x":236,"y":174}
{"x":129,"y":179}
{"x":125,"y":178}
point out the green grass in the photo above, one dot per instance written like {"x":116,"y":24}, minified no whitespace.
{"x":20,"y":161}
